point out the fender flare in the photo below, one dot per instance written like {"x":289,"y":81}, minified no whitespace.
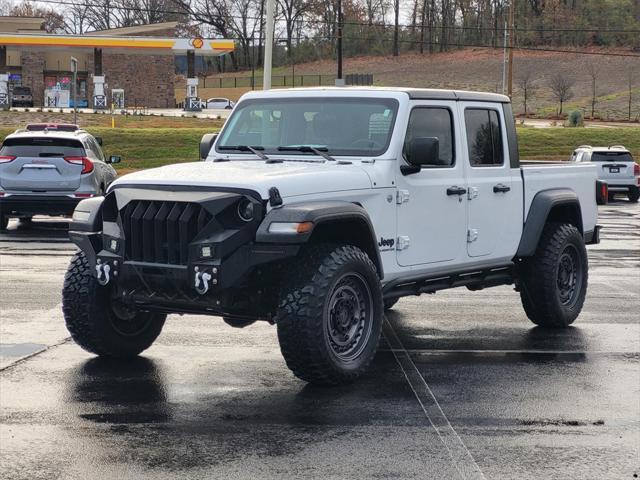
{"x":541,"y":206}
{"x":319,"y":213}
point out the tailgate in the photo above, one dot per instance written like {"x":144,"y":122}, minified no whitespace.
{"x":37,"y":164}
{"x":613,"y":164}
{"x":36,"y":174}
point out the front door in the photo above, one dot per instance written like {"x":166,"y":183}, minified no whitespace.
{"x":432,"y":203}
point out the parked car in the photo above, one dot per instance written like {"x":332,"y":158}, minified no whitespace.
{"x":218,"y":103}
{"x":21,"y":97}
{"x":616,"y":167}
{"x":319,"y":208}
{"x":48,"y":168}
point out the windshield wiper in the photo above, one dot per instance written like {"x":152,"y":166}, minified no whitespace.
{"x":320,"y":151}
{"x":246,"y":148}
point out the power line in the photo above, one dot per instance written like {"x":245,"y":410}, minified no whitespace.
{"x":353,"y":23}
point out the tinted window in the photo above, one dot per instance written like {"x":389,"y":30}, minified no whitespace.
{"x":484,"y":137}
{"x":433,"y":122}
{"x":345,"y":126}
{"x":42,"y":147}
{"x":611,"y":157}
{"x":94,"y":148}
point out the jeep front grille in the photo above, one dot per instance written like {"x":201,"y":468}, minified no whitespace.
{"x":160,"y":232}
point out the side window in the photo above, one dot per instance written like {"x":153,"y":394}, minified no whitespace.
{"x":94,"y":149}
{"x":484,"y":137}
{"x":433,"y":122}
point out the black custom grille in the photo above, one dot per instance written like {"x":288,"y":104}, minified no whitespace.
{"x":160,"y":232}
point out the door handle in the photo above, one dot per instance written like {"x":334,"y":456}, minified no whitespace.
{"x":455,"y":190}
{"x":500,"y":188}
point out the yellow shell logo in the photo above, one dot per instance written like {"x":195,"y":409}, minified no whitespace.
{"x":197,"y":43}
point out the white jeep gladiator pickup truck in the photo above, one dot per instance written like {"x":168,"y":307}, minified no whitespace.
{"x":316,"y":209}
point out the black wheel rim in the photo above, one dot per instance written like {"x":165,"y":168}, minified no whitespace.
{"x":349,"y":317}
{"x":128,"y":322}
{"x":569,"y":276}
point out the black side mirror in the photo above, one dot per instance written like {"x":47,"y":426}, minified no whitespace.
{"x":99,"y":140}
{"x":114,"y":159}
{"x":423,"y":151}
{"x":206,"y":143}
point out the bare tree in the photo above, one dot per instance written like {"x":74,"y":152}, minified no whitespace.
{"x":292,"y":13}
{"x":53,"y":21}
{"x":562,"y":89}
{"x":527,"y":83}
{"x":592,"y":71}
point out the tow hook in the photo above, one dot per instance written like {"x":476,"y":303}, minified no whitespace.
{"x":103,"y":270}
{"x":202,"y":279}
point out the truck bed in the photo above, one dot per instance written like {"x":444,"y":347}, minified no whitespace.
{"x":581,"y":178}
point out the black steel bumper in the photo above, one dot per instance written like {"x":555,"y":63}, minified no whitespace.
{"x":38,"y":205}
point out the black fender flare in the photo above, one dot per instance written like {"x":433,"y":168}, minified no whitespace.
{"x":541,"y":206}
{"x":86,"y":226}
{"x":320,"y":213}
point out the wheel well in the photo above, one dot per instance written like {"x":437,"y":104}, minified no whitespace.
{"x":568,"y":212}
{"x":351,"y":231}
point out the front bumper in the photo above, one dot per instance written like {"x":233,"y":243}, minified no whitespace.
{"x":149,"y":246}
{"x":38,"y":205}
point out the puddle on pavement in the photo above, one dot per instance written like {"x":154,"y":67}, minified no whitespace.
{"x":20,"y":349}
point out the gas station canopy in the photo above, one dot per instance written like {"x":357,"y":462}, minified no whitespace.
{"x":119,"y":44}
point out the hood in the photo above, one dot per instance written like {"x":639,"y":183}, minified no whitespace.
{"x":291,"y":178}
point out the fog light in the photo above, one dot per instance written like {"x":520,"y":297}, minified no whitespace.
{"x":206,"y":252}
{"x":245,"y":210}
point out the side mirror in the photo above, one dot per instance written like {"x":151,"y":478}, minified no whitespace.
{"x":114,"y":159}
{"x":99,"y":140}
{"x":206,"y":143}
{"x":424,"y":151}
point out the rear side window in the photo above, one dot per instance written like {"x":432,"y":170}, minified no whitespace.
{"x":611,"y":157}
{"x":42,"y":147}
{"x":484,"y":137}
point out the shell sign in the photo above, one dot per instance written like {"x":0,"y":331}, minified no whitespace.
{"x":197,"y":42}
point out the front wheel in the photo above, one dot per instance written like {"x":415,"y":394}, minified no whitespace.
{"x":330,"y":315}
{"x":554,"y":281}
{"x":97,"y":323}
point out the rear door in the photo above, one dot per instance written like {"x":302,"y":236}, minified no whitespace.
{"x":37,"y":164}
{"x":614,"y":165}
{"x":494,"y":195}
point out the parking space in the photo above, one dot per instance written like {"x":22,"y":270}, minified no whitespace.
{"x":463,"y":386}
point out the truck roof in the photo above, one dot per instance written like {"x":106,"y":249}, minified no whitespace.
{"x":413,"y":93}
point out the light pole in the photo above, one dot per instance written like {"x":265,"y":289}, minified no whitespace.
{"x":74,"y":71}
{"x":268,"y":45}
{"x":339,"y":81}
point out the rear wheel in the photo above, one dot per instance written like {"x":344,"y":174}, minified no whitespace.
{"x":554,"y":281}
{"x":98,"y":324}
{"x":634,"y":194}
{"x":4,"y":221}
{"x":330,"y":315}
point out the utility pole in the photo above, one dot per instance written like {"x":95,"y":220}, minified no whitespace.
{"x":511,"y":35}
{"x":339,"y":81}
{"x":504,"y":60}
{"x":268,"y":45}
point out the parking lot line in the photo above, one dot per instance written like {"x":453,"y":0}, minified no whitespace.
{"x":462,"y":459}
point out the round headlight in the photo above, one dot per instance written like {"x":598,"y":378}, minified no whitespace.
{"x":245,"y":210}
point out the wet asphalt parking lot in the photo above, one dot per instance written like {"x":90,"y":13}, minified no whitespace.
{"x":463,"y":387}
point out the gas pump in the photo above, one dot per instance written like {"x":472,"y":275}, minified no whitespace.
{"x":99,"y":98}
{"x":192,"y":102}
{"x":117,"y":98}
{"x":4,"y":91}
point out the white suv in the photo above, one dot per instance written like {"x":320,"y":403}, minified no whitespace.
{"x":615,"y":166}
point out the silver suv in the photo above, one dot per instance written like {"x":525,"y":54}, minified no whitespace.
{"x":615,"y":166}
{"x":48,"y":168}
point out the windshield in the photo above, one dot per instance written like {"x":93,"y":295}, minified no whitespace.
{"x":611,"y":157}
{"x":341,"y":126}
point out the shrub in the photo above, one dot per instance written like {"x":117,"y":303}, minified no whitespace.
{"x":575,"y":119}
